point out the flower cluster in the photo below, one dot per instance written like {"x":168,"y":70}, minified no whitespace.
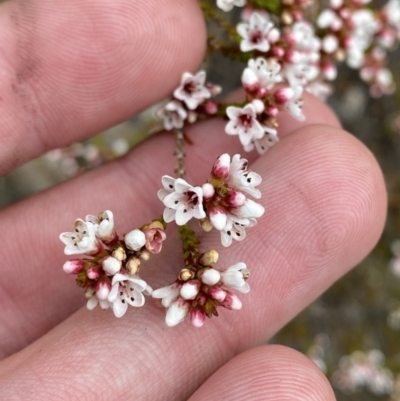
{"x":363,"y":370}
{"x":190,"y":101}
{"x":285,"y":60}
{"x":220,"y":203}
{"x":109,"y":270}
{"x":201,"y":288}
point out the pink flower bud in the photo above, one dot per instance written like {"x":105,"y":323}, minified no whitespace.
{"x":272,"y":111}
{"x":208,"y":190}
{"x":197,"y":317}
{"x":73,"y":266}
{"x":262,"y":92}
{"x":329,"y":71}
{"x":292,"y":56}
{"x":103,"y":289}
{"x":221,"y":166}
{"x":217,"y":293}
{"x":93,"y":273}
{"x":273,"y":35}
{"x":235,"y":199}
{"x":111,"y":265}
{"x":154,"y":239}
{"x":232,"y":302}
{"x":282,"y":95}
{"x":277,"y":51}
{"x":190,"y":289}
{"x":217,"y":216}
{"x":250,"y":80}
{"x":210,"y":276}
{"x":211,"y":107}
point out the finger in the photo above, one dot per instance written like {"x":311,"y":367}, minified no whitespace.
{"x":325,"y":201}
{"x":72,"y":68}
{"x":34,"y":245}
{"x":267,"y":373}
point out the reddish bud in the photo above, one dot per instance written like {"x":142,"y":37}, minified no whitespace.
{"x":282,"y":95}
{"x":93,"y":273}
{"x":103,"y":289}
{"x":197,"y":317}
{"x":73,"y":266}
{"x":235,"y":199}
{"x":221,"y":166}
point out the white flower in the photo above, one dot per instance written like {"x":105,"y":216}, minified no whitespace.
{"x":269,"y":139}
{"x":261,"y":73}
{"x":177,"y":312}
{"x":235,"y":229}
{"x":82,"y":240}
{"x":303,"y":35}
{"x":243,"y":179}
{"x":103,"y":225}
{"x":127,"y":290}
{"x":192,"y":90}
{"x":249,"y":210}
{"x":234,"y":277}
{"x":227,"y":5}
{"x":257,"y":34}
{"x":243,"y":122}
{"x":167,"y":294}
{"x":94,"y":301}
{"x":295,"y":105}
{"x":392,"y":13}
{"x":183,"y":202}
{"x":173,"y":115}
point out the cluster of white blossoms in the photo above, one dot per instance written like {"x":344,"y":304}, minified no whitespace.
{"x":189,"y":102}
{"x":200,"y":290}
{"x":108,"y":271}
{"x":220,"y":203}
{"x":292,"y":59}
{"x":363,"y":370}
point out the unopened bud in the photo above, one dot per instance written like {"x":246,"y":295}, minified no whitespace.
{"x":218,"y":217}
{"x":250,"y":80}
{"x":210,"y":276}
{"x":103,"y":289}
{"x":111,"y":265}
{"x":286,"y":18}
{"x":89,"y":292}
{"x":93,"y":273}
{"x":190,"y":289}
{"x":155,"y":224}
{"x":211,"y":107}
{"x":282,"y":95}
{"x":145,"y":255}
{"x":209,"y":258}
{"x":186,"y":274}
{"x":132,"y":265}
{"x":258,"y":105}
{"x":208,"y":190}
{"x":235,"y":198}
{"x":135,"y":239}
{"x":119,"y":254}
{"x":217,"y":293}
{"x":197,"y":317}
{"x":73,"y":266}
{"x":231,"y":301}
{"x":206,"y":225}
{"x":221,"y":166}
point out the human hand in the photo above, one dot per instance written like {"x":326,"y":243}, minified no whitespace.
{"x":71,"y":69}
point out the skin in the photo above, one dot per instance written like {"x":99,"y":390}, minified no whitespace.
{"x":71,"y":68}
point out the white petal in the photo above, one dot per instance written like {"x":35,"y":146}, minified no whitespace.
{"x":119,"y":308}
{"x":169,"y":215}
{"x":92,"y":302}
{"x":176,"y":313}
{"x":183,"y":215}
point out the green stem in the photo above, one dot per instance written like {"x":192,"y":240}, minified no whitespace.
{"x":190,"y":244}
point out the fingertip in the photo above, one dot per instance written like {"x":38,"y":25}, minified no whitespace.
{"x":268,"y":373}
